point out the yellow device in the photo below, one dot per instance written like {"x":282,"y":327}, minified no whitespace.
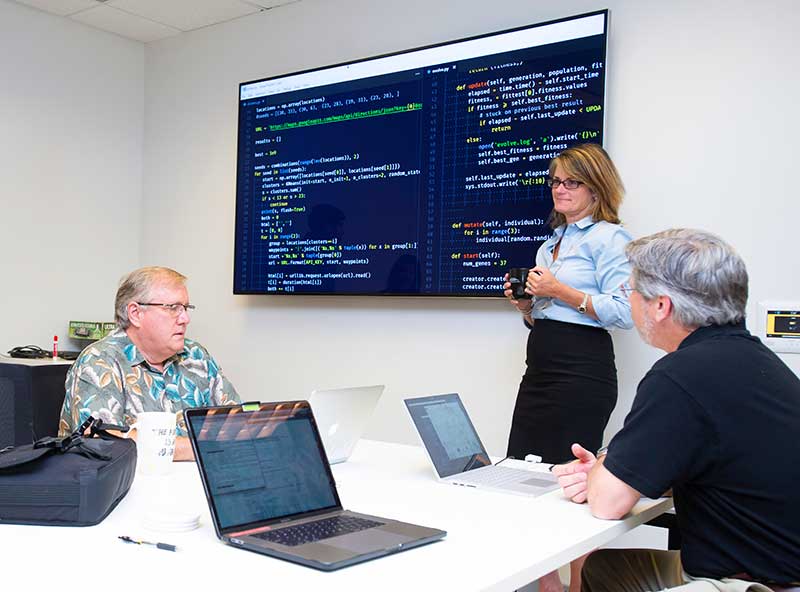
{"x":779,"y":325}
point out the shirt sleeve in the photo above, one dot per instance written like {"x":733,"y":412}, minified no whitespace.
{"x":93,"y":387}
{"x":222,"y":391}
{"x":667,"y":438}
{"x":613,"y":270}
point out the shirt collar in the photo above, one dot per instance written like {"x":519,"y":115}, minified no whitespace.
{"x":135,"y":356}
{"x":713,"y":331}
{"x":581,"y":224}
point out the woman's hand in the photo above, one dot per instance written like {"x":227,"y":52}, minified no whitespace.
{"x":524,"y":306}
{"x":541,"y":282}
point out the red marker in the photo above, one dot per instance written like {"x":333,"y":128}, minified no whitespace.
{"x":55,"y":346}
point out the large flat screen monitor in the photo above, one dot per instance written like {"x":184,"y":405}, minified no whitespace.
{"x":418,"y":173}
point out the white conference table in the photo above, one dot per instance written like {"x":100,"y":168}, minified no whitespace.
{"x":495,"y":541}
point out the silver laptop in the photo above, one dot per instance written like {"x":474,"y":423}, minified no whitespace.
{"x":342,"y":416}
{"x":457,"y":454}
{"x":270,"y":489}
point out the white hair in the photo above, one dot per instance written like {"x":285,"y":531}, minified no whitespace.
{"x":702,"y":275}
{"x":136,"y":286}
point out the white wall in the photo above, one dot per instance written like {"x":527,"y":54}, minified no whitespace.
{"x":701,"y":122}
{"x":72,"y":117}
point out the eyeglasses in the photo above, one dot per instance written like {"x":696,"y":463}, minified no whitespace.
{"x":175,"y":309}
{"x":627,"y":290}
{"x":567,"y":183}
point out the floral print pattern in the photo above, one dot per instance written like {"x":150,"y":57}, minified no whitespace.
{"x":111,"y":380}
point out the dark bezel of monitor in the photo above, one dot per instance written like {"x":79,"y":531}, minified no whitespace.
{"x":419,"y":294}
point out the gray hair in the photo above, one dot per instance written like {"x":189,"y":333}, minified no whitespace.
{"x":136,"y":286}
{"x":702,"y":275}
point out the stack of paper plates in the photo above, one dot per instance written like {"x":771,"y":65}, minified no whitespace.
{"x":168,"y":520}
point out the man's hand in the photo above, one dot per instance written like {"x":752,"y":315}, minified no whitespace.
{"x":573,"y":476}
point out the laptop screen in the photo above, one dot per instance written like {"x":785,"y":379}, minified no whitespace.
{"x":448,"y":434}
{"x":342,"y":415}
{"x":261,"y":464}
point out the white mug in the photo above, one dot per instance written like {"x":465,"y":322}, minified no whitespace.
{"x":155,"y":441}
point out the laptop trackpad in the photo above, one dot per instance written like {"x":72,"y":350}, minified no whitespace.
{"x":368,"y":540}
{"x":539,"y":482}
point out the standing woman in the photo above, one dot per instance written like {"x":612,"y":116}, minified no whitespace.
{"x":570,"y":385}
{"x":569,"y":388}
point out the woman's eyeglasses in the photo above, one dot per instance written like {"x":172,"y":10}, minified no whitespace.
{"x":567,"y":183}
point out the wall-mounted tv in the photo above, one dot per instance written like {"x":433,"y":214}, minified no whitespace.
{"x":417,"y":173}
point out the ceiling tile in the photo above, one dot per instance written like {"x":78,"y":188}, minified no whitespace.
{"x":186,"y":15}
{"x":61,"y":7}
{"x":122,"y":23}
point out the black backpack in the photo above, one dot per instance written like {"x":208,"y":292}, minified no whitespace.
{"x":72,"y":481}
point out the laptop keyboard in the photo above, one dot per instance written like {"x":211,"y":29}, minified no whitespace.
{"x":309,"y":532}
{"x":493,"y":476}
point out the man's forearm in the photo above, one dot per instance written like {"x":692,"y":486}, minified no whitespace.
{"x":609,"y":497}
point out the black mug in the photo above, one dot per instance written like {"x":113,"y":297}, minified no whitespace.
{"x":517,"y":276}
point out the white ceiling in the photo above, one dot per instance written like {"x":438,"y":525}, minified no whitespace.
{"x":151,"y":20}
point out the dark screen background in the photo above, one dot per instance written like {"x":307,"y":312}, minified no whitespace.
{"x":425,"y":182}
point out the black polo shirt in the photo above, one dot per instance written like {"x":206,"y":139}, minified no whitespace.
{"x":718,"y":421}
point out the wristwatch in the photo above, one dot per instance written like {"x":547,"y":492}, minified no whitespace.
{"x":582,"y":306}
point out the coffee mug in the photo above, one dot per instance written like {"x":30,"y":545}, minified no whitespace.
{"x":155,"y":441}
{"x":517,"y":276}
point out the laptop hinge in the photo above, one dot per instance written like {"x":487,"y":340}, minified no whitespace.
{"x":237,"y":531}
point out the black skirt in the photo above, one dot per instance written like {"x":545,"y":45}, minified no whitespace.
{"x":567,"y":393}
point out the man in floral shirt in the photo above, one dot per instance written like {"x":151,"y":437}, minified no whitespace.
{"x":147,"y":363}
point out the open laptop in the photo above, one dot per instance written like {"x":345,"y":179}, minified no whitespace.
{"x":457,"y":454}
{"x":270,"y":489}
{"x":342,"y":416}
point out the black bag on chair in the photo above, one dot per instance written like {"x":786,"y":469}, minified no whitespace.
{"x":72,"y":481}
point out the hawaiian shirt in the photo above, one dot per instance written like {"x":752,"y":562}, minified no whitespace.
{"x":111,"y":380}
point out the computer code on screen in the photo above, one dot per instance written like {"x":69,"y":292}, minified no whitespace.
{"x":421,"y":173}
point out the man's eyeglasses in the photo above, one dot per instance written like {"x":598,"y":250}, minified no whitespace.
{"x":175,"y":309}
{"x":567,"y":183}
{"x":627,"y":290}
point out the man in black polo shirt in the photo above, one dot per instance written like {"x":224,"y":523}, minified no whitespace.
{"x":716,"y":420}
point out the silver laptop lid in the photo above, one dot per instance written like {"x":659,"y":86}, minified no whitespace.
{"x":342,"y":415}
{"x":447,"y":434}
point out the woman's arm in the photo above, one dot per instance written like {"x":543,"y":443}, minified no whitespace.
{"x":612,"y":271}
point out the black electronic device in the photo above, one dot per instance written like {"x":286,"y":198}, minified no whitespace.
{"x":31,"y":397}
{"x":417,"y":173}
{"x":32,"y":352}
{"x":29,"y":352}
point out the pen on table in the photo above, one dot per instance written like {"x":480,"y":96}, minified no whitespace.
{"x":165,"y":546}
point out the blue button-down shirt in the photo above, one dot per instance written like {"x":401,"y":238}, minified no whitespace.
{"x":591,"y":259}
